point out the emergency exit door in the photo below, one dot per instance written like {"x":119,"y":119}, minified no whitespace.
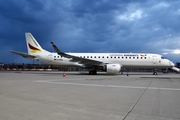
{"x":50,"y":58}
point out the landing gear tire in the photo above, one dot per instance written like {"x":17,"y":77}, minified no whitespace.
{"x":154,"y":73}
{"x":92,"y":72}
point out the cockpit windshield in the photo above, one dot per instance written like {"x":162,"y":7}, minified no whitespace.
{"x":163,"y":57}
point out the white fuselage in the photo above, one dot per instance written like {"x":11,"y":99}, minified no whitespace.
{"x":127,"y":60}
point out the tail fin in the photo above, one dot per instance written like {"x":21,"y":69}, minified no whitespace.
{"x":32,"y":45}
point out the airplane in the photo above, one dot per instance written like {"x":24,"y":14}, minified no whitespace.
{"x":111,"y":63}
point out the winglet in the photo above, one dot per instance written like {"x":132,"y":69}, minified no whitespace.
{"x":57,"y":50}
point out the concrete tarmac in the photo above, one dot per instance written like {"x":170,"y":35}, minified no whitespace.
{"x":35,"y":95}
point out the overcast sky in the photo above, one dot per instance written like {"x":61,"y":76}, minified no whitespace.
{"x":150,"y":26}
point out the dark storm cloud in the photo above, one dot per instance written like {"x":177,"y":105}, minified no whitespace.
{"x":91,"y":25}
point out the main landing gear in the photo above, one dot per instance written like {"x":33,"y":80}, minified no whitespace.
{"x":92,"y":72}
{"x":154,"y":72}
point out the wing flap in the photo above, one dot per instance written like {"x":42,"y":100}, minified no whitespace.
{"x":87,"y":61}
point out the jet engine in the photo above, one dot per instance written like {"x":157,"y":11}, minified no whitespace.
{"x":112,"y":68}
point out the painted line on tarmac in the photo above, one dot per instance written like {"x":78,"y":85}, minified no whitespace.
{"x":110,"y":86}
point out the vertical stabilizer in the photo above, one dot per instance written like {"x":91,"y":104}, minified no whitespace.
{"x":32,"y":45}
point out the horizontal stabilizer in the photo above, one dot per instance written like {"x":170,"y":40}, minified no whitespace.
{"x":176,"y":69}
{"x":23,"y":54}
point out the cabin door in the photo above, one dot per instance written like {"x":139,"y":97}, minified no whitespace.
{"x":154,"y":60}
{"x":50,"y":58}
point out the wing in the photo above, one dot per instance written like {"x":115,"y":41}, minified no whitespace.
{"x":85,"y":61}
{"x":23,"y":54}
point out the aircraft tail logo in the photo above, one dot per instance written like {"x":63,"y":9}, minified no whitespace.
{"x":32,"y":45}
{"x":33,"y":49}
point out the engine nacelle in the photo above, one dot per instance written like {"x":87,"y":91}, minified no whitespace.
{"x":112,"y":68}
